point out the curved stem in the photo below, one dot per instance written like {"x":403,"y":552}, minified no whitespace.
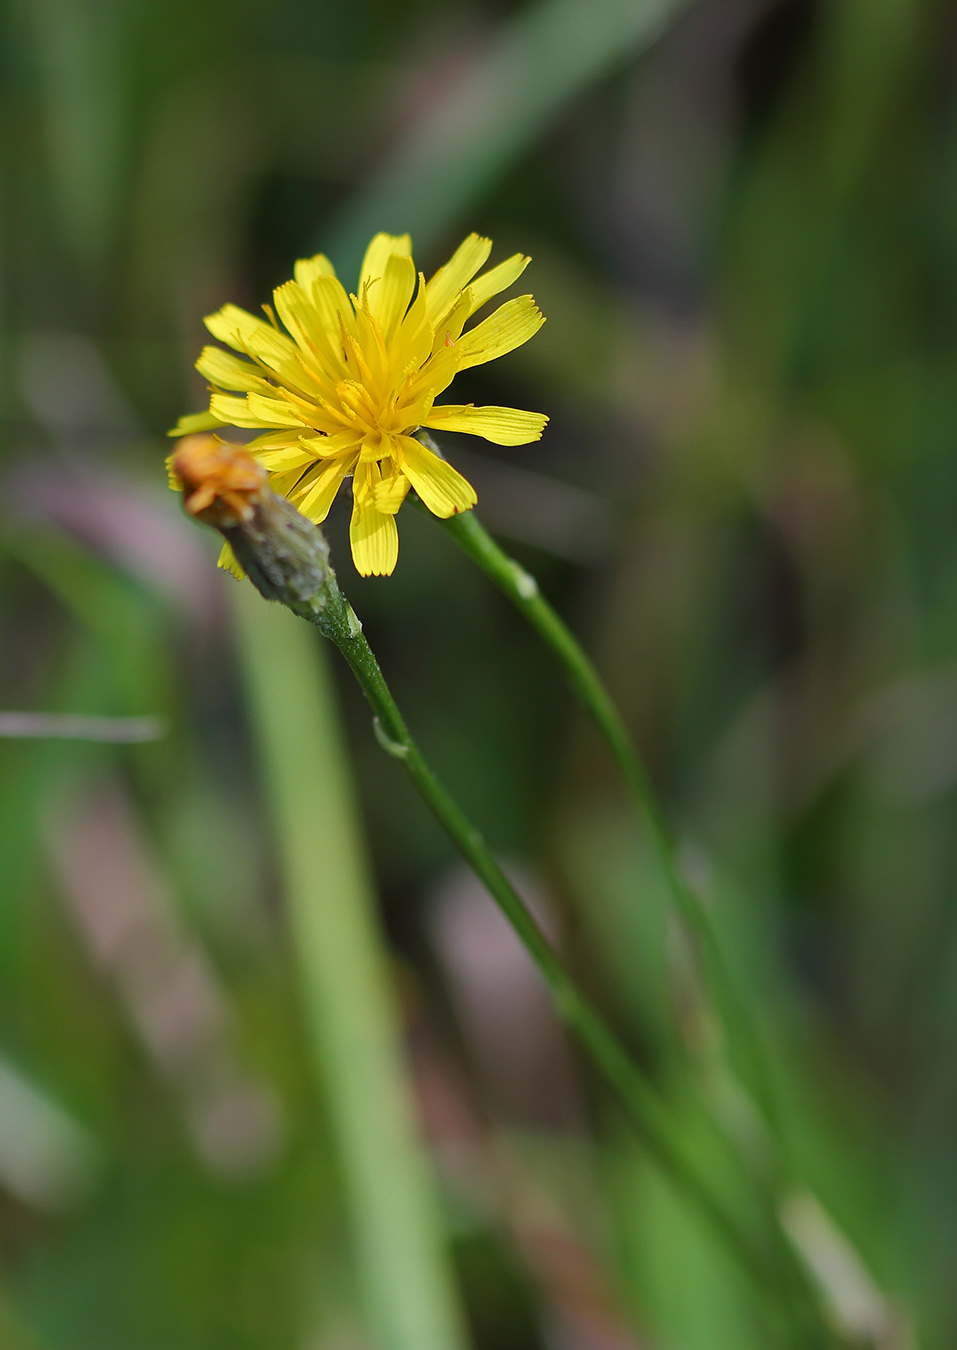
{"x":522,"y":589}
{"x":769,"y":1262}
{"x":287,"y":559}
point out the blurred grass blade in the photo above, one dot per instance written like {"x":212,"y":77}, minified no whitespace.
{"x":494,"y":112}
{"x":47,"y":1160}
{"x":345,"y":981}
{"x":80,"y":727}
{"x":78,"y":49}
{"x":857,"y":1305}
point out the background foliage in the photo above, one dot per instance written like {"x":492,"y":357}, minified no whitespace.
{"x":743,"y":220}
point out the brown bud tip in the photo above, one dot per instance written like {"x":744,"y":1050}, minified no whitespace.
{"x":222,"y":483}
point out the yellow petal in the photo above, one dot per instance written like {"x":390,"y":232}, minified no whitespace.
{"x":388,"y":297}
{"x":448,"y":332}
{"x":234,"y":412}
{"x":333,"y":313}
{"x":412,"y":341}
{"x":294,"y":306}
{"x":497,"y":279}
{"x":442,"y":291}
{"x":193,"y":422}
{"x":374,"y":447}
{"x":315,"y":494}
{"x":307,"y":269}
{"x":227,"y":561}
{"x":285,"y":482}
{"x":368,"y":356}
{"x":512,"y":324}
{"x":391,"y":493}
{"x":437,"y":374}
{"x":318,"y":333}
{"x":373,"y":535}
{"x":285,"y":457}
{"x":381,"y":249}
{"x":264,"y":343}
{"x":274,"y":440}
{"x":245,"y":333}
{"x":325,"y":447}
{"x":229,"y":371}
{"x":255,"y":410}
{"x":270,"y":412}
{"x":502,"y":426}
{"x":444,"y":490}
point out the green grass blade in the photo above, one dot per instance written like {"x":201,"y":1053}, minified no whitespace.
{"x":488,"y":118}
{"x":393,"y":1212}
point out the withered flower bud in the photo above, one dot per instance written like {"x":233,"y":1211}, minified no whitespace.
{"x":284,"y":555}
{"x":222,"y":483}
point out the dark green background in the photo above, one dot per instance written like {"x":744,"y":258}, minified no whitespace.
{"x":743,"y":223}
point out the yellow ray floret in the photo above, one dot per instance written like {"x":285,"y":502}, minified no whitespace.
{"x":341,"y":391}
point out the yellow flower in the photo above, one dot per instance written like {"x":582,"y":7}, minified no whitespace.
{"x":343,"y":389}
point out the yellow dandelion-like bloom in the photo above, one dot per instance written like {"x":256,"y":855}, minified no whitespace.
{"x":341,"y":391}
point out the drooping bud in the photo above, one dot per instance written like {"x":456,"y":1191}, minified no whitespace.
{"x":284,"y":555}
{"x":221,"y":482}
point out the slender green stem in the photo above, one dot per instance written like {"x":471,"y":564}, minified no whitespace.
{"x":769,"y":1262}
{"x":338,"y":623}
{"x":287,"y":559}
{"x":522,"y":589}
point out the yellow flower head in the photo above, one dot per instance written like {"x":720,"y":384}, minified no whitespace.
{"x":342,"y":390}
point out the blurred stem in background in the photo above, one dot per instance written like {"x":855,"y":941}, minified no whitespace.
{"x":345,"y":983}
